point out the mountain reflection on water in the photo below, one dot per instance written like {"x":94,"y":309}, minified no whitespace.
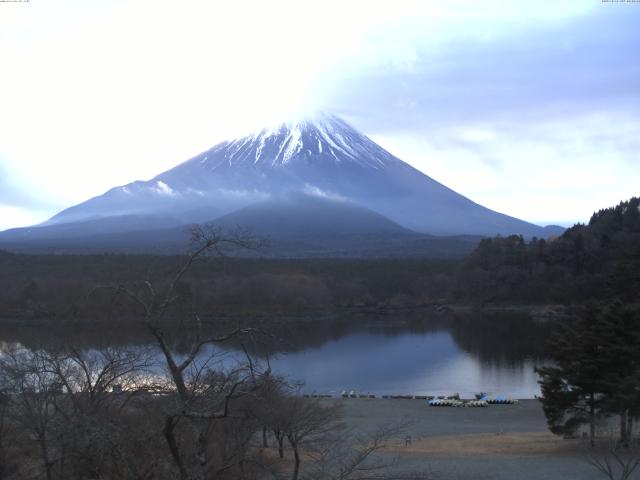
{"x":463,"y":354}
{"x":441,"y":355}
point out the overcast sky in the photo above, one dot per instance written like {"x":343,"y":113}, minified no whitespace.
{"x":531,"y":108}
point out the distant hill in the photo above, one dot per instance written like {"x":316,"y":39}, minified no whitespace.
{"x":304,"y":216}
{"x":587,"y":262}
{"x":293,"y":227}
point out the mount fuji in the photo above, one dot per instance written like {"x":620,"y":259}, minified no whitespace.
{"x":317,"y":176}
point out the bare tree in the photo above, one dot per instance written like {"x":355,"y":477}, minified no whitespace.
{"x":613,"y":459}
{"x":344,"y":456}
{"x":33,"y":393}
{"x":308,"y":421}
{"x":5,"y":433}
{"x":90,"y":376}
{"x":270,"y":407}
{"x":201,"y":398}
{"x":63,"y":403}
{"x":98,"y":385}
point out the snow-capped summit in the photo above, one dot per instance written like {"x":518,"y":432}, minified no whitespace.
{"x":319,"y":156}
{"x":316,"y":136}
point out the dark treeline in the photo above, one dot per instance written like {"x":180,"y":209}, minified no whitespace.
{"x":49,"y":286}
{"x":593,"y":262}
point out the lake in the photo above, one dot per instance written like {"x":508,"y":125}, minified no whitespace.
{"x":428,"y":355}
{"x":440,"y":359}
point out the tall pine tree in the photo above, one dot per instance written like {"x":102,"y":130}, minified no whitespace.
{"x":573,"y":389}
{"x":596,"y":372}
{"x":620,"y":333}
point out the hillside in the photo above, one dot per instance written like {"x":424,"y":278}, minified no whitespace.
{"x":588,"y":262}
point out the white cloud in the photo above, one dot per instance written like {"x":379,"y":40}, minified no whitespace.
{"x":12,"y":217}
{"x":559,"y":170}
{"x":164,"y":189}
{"x":318,"y":192}
{"x":97,"y":97}
{"x":244,"y":194}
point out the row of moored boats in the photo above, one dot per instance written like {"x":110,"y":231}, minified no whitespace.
{"x":481,"y":400}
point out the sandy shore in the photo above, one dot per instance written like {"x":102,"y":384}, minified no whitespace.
{"x":520,"y":443}
{"x":496,"y":442}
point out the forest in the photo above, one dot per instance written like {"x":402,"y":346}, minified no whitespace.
{"x":591,"y":262}
{"x":588,"y":263}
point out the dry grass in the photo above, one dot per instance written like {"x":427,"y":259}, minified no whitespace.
{"x":517,"y":444}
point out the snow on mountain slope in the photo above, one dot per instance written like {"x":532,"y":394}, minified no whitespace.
{"x":319,"y":156}
{"x":320,"y":135}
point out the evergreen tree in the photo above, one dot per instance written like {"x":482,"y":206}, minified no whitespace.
{"x":620,"y":333}
{"x":572,"y":390}
{"x":596,"y":372}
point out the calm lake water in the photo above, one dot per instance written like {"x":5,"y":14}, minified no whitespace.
{"x":424,"y":356}
{"x":427,"y":362}
{"x":411,"y":363}
{"x":427,"y":357}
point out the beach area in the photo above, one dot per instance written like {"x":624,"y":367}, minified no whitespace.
{"x":496,"y":442}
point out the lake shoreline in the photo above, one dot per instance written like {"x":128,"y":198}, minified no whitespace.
{"x":540,"y":312}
